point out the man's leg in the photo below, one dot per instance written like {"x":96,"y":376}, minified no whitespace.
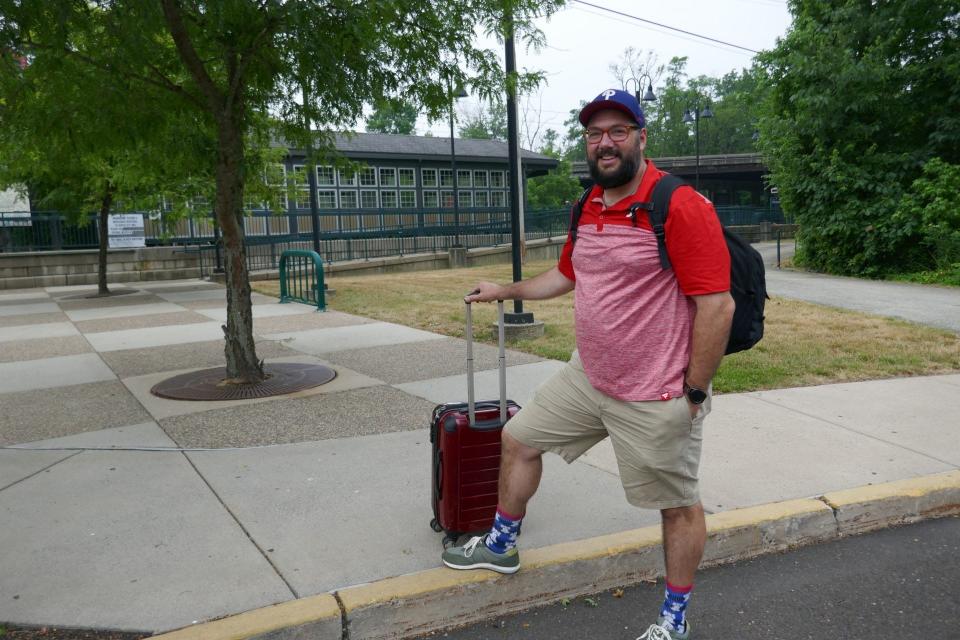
{"x":684,"y":536}
{"x":520,"y":469}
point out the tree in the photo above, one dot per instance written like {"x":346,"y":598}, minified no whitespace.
{"x":555,"y":190}
{"x":257,"y":69}
{"x":396,"y":117}
{"x":485,"y":124}
{"x":79,"y":146}
{"x":863,"y":95}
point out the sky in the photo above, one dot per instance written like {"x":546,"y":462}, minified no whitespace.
{"x":582,"y":42}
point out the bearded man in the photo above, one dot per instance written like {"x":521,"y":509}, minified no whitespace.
{"x":649,"y":341}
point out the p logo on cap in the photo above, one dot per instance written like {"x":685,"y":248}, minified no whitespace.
{"x":614,"y":99}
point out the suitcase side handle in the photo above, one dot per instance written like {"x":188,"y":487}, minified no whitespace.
{"x":501,"y":365}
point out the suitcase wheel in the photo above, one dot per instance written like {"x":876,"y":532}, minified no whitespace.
{"x":435,"y":525}
{"x":450,"y":539}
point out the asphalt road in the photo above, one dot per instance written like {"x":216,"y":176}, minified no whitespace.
{"x":898,"y":583}
{"x":930,"y":305}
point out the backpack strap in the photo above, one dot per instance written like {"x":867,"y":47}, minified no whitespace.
{"x":576,"y":212}
{"x":660,"y":207}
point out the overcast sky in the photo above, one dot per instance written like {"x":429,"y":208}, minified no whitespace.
{"x":582,"y":42}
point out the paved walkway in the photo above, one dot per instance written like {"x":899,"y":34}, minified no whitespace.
{"x":924,"y":304}
{"x":134,"y":512}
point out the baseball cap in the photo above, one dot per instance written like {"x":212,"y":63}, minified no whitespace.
{"x":614,"y":99}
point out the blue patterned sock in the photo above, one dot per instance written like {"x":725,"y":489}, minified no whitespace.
{"x":675,"y":606}
{"x":503,"y":534}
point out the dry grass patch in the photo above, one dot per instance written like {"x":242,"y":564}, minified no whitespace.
{"x":804,"y":344}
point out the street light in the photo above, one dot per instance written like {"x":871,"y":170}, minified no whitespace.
{"x":460,"y":92}
{"x":648,"y":95}
{"x":694,"y":116}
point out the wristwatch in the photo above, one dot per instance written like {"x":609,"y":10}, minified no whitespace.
{"x":694,"y":395}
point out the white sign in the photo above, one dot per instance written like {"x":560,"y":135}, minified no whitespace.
{"x":125,"y":230}
{"x":14,"y":210}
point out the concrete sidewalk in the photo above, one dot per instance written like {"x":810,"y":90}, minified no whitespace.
{"x":126,"y":511}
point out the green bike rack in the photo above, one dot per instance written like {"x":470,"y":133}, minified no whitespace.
{"x":301,"y":278}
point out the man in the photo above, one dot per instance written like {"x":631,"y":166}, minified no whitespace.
{"x":649,"y":341}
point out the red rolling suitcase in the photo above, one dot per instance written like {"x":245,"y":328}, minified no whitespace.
{"x":465,"y":442}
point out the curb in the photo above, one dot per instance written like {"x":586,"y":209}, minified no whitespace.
{"x":438,"y":599}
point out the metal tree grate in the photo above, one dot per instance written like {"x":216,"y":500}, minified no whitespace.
{"x":282,"y":378}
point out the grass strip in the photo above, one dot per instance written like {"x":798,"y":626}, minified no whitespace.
{"x":804,"y":344}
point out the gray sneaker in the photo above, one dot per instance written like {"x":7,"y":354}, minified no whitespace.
{"x":476,"y":555}
{"x":663,"y":630}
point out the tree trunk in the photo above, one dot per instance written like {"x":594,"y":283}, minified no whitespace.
{"x":104,"y":241}
{"x":243,"y":366}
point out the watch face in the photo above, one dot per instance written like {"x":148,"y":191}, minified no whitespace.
{"x":697,"y":396}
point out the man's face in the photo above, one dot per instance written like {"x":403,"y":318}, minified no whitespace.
{"x":612,"y":163}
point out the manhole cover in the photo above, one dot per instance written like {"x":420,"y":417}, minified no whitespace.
{"x":205,"y":384}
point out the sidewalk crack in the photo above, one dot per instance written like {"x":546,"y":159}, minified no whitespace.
{"x":262,"y":552}
{"x":39,"y":471}
{"x":344,"y":622}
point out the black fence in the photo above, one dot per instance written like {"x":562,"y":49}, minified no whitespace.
{"x":344,"y":235}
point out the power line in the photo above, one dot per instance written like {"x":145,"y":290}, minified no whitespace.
{"x":664,"y":26}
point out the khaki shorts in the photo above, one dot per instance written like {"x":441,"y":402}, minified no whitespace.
{"x":656,"y":443}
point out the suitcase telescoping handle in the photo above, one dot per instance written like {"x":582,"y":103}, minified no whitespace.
{"x":501,"y":365}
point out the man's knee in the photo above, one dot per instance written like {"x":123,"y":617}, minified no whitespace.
{"x":513,"y":448}
{"x":681,"y":515}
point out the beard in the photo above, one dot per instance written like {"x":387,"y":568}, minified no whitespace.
{"x":621,"y":175}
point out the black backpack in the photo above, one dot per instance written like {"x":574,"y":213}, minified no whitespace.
{"x":748,"y":284}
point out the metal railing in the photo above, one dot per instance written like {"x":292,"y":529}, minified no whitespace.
{"x":344,"y":235}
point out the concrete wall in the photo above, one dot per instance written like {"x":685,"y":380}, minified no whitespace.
{"x":27,"y":270}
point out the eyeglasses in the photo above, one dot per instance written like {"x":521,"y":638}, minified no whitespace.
{"x":617,"y":133}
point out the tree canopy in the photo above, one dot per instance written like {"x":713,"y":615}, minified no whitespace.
{"x":488,"y":123}
{"x":256,"y":71}
{"x":397,"y":117}
{"x":864,"y":98}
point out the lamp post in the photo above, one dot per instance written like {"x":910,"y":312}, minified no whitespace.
{"x":458,"y":93}
{"x":694,"y":115}
{"x":648,"y":95}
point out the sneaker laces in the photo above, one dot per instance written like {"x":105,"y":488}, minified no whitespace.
{"x":656,"y":632}
{"x":471,"y":546}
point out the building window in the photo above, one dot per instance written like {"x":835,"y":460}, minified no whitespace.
{"x":498,"y":179}
{"x":325,"y":176}
{"x":368,"y":199}
{"x":446,"y":177}
{"x":327,"y":199}
{"x":431,"y":199}
{"x":368,"y":177}
{"x":347,"y":178}
{"x":388,"y":199}
{"x":408,"y":199}
{"x":481,"y":198}
{"x":348,"y":199}
{"x":498,"y":198}
{"x":465,"y":198}
{"x":388,"y":177}
{"x":480,"y":179}
{"x":276,"y":174}
{"x":429,"y":177}
{"x":446,"y":199}
{"x":300,"y":175}
{"x":302,"y":199}
{"x":408,"y":177}
{"x":464,"y":178}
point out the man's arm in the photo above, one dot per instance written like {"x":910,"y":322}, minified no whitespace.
{"x":548,"y":284}
{"x":711,"y":330}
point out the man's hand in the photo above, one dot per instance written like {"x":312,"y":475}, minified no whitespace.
{"x":486,"y":292}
